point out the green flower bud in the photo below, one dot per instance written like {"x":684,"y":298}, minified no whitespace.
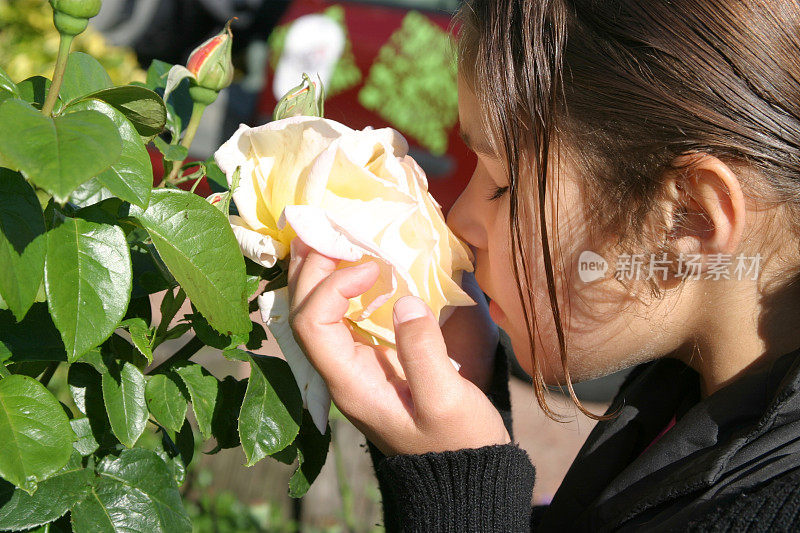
{"x":307,"y":99}
{"x":72,"y":16}
{"x":211,"y":64}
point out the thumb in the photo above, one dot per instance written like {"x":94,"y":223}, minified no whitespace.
{"x":422,"y":352}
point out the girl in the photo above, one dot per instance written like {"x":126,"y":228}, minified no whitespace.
{"x":636,"y":202}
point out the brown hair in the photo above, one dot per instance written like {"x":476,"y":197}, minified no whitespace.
{"x":630,"y":85}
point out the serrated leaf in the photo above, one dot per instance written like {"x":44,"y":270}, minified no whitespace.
{"x":60,"y":153}
{"x":35,"y":435}
{"x":124,"y":398}
{"x":143,"y":107}
{"x":130,"y":177}
{"x":197,"y":244}
{"x":22,"y":243}
{"x":166,"y":402}
{"x":134,"y":492}
{"x":85,"y":444}
{"x":312,"y":451}
{"x":88,"y":281}
{"x":54,"y":497}
{"x":83,"y":75}
{"x":272,"y":409}
{"x":202,"y":388}
{"x":139,"y":331}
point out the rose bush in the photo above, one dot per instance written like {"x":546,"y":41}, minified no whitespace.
{"x":352,"y":195}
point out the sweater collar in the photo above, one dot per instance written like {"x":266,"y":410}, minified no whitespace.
{"x":611,"y":480}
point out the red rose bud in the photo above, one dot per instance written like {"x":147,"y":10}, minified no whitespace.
{"x":210,"y":63}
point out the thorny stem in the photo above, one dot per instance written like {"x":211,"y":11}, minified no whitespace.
{"x":58,"y":74}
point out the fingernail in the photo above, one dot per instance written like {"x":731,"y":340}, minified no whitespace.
{"x":293,"y":248}
{"x":408,"y":308}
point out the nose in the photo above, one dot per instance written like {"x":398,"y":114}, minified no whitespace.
{"x":463,"y":221}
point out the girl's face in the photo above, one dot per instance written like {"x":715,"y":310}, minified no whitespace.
{"x":605,"y":328}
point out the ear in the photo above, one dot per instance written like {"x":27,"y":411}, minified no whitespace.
{"x":708,"y":206}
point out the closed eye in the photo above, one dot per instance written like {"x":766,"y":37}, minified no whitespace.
{"x":497,"y":193}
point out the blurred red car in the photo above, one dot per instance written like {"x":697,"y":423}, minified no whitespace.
{"x":383,"y":63}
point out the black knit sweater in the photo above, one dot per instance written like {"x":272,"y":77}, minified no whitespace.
{"x":730,"y":463}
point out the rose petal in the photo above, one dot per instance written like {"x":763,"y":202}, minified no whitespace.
{"x":260,"y":248}
{"x":274,"y":307}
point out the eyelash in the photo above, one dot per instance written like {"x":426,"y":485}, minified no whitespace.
{"x":497,"y":193}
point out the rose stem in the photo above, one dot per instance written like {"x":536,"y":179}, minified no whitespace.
{"x":58,"y":73}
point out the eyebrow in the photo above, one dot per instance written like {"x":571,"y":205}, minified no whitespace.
{"x":480,"y":148}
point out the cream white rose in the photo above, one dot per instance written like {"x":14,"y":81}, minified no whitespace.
{"x":352,"y":195}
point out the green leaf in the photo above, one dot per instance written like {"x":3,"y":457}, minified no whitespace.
{"x":312,"y":451}
{"x":131,"y":176}
{"x":85,"y":386}
{"x":171,"y":152}
{"x":133,"y":492}
{"x":196,"y":242}
{"x":166,"y":402}
{"x":140,"y":335}
{"x":272,"y":409}
{"x":34,"y":90}
{"x":86,"y":444}
{"x":217,"y":180}
{"x":211,"y":337}
{"x":60,"y":153}
{"x":123,"y":394}
{"x":8,"y":89}
{"x":34,"y":431}
{"x":224,"y":424}
{"x":143,"y":107}
{"x":179,"y":106}
{"x":203,"y":391}
{"x":22,"y":243}
{"x":54,"y":497}
{"x":7,"y":84}
{"x":34,"y":339}
{"x":89,"y":193}
{"x":84,"y":75}
{"x":88,"y":281}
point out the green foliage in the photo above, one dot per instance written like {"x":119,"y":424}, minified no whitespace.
{"x":22,"y":243}
{"x":95,"y":434}
{"x":35,"y":431}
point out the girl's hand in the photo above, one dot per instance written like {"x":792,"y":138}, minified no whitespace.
{"x":434,"y":409}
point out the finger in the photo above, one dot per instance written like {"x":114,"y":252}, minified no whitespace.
{"x":313,"y":268}
{"x":297,"y":251}
{"x":422,"y":353}
{"x":318,"y":321}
